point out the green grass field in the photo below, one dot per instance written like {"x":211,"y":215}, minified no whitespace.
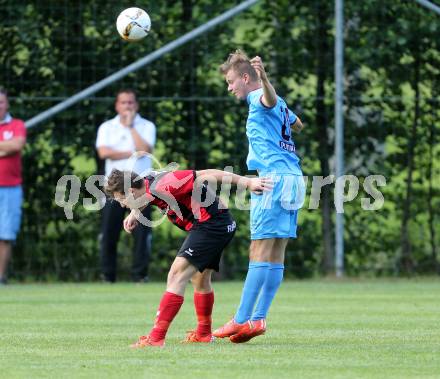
{"x":316,"y":329}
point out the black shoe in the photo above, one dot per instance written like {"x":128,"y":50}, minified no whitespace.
{"x":3,"y":281}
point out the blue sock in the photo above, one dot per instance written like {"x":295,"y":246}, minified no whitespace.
{"x":270,"y":287}
{"x":255,"y":278}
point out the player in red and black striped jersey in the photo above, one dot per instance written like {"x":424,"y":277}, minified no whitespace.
{"x":189,"y":203}
{"x":173,"y":191}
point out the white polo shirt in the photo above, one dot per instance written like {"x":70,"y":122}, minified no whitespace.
{"x":116,"y":136}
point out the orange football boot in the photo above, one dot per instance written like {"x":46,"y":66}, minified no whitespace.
{"x":251,"y":330}
{"x":192,"y":337}
{"x":145,"y":341}
{"x":230,"y":328}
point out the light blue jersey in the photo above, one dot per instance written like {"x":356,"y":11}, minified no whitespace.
{"x":271,"y":147}
{"x":272,"y":152}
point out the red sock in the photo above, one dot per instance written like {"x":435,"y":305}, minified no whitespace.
{"x":203,"y":302}
{"x":168,"y":308}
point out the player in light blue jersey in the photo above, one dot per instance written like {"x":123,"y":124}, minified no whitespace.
{"x":273,"y":217}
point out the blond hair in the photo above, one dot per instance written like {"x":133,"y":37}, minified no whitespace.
{"x":240,"y":63}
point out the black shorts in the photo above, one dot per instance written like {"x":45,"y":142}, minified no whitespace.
{"x":204,"y":245}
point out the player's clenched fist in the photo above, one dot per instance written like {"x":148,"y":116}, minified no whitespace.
{"x":130,"y":222}
{"x":127,"y":117}
{"x":257,"y":64}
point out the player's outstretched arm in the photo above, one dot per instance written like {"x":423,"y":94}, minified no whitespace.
{"x":269,"y":98}
{"x":256,"y":185}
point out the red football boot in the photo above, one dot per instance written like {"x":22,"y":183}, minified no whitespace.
{"x":145,"y":341}
{"x":229,"y":329}
{"x":192,"y":337}
{"x":251,"y":330}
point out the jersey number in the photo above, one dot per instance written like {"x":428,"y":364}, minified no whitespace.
{"x":285,"y":129}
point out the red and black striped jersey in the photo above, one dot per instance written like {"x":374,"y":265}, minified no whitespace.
{"x":174,"y":193}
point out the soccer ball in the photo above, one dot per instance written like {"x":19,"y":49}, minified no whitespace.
{"x":133,"y":24}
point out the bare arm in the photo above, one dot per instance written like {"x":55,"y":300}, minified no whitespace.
{"x":219,"y":175}
{"x":269,"y":98}
{"x":105,"y":152}
{"x":256,"y":185}
{"x":12,"y":146}
{"x":139,"y":143}
{"x":297,"y":126}
{"x":127,"y":119}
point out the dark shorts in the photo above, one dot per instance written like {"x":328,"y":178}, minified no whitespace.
{"x":204,"y":245}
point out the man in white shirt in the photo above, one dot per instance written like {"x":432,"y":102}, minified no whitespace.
{"x":118,"y":139}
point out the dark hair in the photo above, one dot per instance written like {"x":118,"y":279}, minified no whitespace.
{"x":127,"y":90}
{"x":119,"y":181}
{"x":240,"y":63}
{"x":3,"y":91}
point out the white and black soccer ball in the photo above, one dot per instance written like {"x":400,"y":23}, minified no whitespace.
{"x":133,"y":24}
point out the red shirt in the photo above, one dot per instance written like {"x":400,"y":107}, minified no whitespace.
{"x":173,"y":192}
{"x":10,"y":165}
